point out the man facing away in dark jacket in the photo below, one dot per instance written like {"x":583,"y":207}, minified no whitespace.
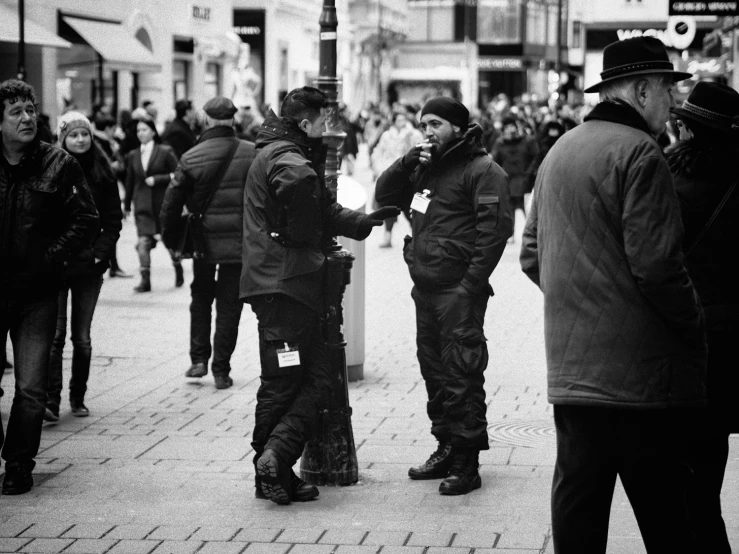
{"x":221,"y":235}
{"x":290,"y":217}
{"x":178,"y":134}
{"x":47,"y":216}
{"x":461,"y":219}
{"x":624,"y":332}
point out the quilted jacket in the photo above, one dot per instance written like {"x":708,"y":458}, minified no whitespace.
{"x":462,"y":235}
{"x":623,"y":325}
{"x":223,"y":221}
{"x":289,"y":216}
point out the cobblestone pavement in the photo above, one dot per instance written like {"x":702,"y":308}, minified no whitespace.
{"x":163,"y":464}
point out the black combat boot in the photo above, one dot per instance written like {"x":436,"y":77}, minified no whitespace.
{"x":436,"y":467}
{"x":463,"y":475}
{"x":300,"y":491}
{"x":145,"y":284}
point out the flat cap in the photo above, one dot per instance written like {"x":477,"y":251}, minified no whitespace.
{"x":219,"y":107}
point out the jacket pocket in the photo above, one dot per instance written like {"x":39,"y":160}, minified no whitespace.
{"x":300,"y":261}
{"x":456,"y":251}
{"x":40,"y":197}
{"x":487,"y":211}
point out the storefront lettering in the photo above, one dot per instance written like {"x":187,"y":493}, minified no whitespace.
{"x":247,"y":30}
{"x":510,"y":64}
{"x":201,"y":13}
{"x":708,"y":66}
{"x":703,"y":8}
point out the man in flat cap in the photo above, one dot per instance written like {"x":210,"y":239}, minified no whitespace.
{"x":461,"y":217}
{"x":209,"y":181}
{"x":624,"y":331}
{"x":290,"y":217}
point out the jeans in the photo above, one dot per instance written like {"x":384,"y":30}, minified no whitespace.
{"x":647,"y":449}
{"x":453,"y":356}
{"x":31,"y":324}
{"x":289,"y":397}
{"x":85,"y":290}
{"x":225,"y":291}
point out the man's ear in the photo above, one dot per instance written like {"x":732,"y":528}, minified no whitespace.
{"x":456,"y":129}
{"x":303,"y":125}
{"x":641,"y":91}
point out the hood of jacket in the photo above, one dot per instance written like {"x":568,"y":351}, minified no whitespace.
{"x":275,"y":128}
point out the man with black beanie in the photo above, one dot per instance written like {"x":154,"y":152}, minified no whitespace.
{"x":461,"y":219}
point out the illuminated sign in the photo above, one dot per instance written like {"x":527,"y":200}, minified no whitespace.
{"x":682,"y":7}
{"x":500,"y":64}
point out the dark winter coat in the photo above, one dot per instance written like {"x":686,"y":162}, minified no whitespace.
{"x":104,"y":188}
{"x":517,"y":157}
{"x":622,"y":324}
{"x":47,"y":215}
{"x":462,"y":235}
{"x":290,"y":216}
{"x":179,"y":136}
{"x":703,"y":173}
{"x":147,"y":201}
{"x":192,"y":185}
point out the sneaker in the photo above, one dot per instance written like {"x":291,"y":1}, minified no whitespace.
{"x":436,"y":467}
{"x":197,"y":370}
{"x":52,"y":413}
{"x":223,"y":381}
{"x":463,"y":474}
{"x":273,"y":477}
{"x":79,"y":409}
{"x":17,"y":480}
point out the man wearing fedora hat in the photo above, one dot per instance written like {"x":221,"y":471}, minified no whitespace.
{"x":703,"y":163}
{"x":624,"y":330}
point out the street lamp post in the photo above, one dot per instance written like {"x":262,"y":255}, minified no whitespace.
{"x":21,"y":40}
{"x":330,"y":456}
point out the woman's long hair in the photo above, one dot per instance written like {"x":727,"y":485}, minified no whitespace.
{"x":94,"y":162}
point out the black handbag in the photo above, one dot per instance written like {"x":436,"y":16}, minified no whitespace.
{"x":190,"y":228}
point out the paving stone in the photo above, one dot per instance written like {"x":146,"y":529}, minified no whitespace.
{"x":429,"y":539}
{"x":440,"y":550}
{"x":300,"y":536}
{"x":177,"y":547}
{"x":343,"y":536}
{"x":476,"y":539}
{"x":90,"y":546}
{"x":257,"y":535}
{"x":402,"y":550}
{"x":46,"y":530}
{"x":386,"y":538}
{"x":129,"y":531}
{"x":133,"y":547}
{"x":513,"y":539}
{"x":10,"y":530}
{"x":267,"y":548}
{"x":312,"y":549}
{"x":172,"y":533}
{"x":50,"y":546}
{"x":12,"y":545}
{"x":215,"y":533}
{"x":219,"y":547}
{"x":87,"y":531}
{"x":356,"y":549}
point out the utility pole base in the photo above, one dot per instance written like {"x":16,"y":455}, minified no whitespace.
{"x":330,"y":458}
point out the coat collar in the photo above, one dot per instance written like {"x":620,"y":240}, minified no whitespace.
{"x":617,"y":111}
{"x":218,"y":131}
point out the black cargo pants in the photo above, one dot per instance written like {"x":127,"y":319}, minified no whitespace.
{"x":453,"y":356}
{"x":290,"y":394}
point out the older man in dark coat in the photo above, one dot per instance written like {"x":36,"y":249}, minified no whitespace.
{"x":624,"y":331}
{"x":195,"y":184}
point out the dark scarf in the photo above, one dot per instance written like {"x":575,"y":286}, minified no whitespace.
{"x":618,"y":111}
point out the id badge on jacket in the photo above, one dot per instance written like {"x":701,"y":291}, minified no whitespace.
{"x":421,"y":201}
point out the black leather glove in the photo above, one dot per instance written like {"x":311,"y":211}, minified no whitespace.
{"x":375,"y":219}
{"x":412,"y":158}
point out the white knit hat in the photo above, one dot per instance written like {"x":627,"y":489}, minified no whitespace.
{"x":71,"y":120}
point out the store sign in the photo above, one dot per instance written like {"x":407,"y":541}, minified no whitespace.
{"x":500,"y":64}
{"x":683,"y":7}
{"x":680,"y":34}
{"x":200,"y":13}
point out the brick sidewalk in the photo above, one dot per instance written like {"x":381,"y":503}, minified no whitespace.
{"x":163,"y":465}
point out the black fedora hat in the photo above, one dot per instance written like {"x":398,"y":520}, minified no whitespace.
{"x":712,"y":105}
{"x":636,"y":56}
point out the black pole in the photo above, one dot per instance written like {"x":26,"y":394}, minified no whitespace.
{"x":21,"y":40}
{"x":559,"y":45}
{"x":330,"y":456}
{"x":379,"y":52}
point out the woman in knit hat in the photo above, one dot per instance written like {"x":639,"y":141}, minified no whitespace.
{"x":83,"y":276}
{"x":149,"y":170}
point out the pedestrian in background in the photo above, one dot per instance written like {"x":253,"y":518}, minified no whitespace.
{"x":47,"y":216}
{"x":149,"y":170}
{"x":703,"y":163}
{"x":210,"y":180}
{"x":82,"y":277}
{"x":179,"y":134}
{"x":289,"y":219}
{"x":461,"y":220}
{"x":624,"y":331}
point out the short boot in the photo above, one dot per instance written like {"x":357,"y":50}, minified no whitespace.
{"x":179,"y":275}
{"x":436,"y":467}
{"x":274,"y":476}
{"x":300,"y":491}
{"x":145,"y":284}
{"x":463,"y":474}
{"x":18,"y":479}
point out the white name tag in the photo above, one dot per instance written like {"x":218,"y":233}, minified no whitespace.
{"x":420,"y":203}
{"x":287,"y":357}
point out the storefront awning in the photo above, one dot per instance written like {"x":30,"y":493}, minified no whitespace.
{"x":112,"y":41}
{"x":34,"y":33}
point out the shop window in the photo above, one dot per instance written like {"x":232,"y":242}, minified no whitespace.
{"x":180,"y":74}
{"x":431,"y":23}
{"x":212,"y":80}
{"x":498,"y":21}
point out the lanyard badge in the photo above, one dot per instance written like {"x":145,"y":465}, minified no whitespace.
{"x":421,"y":201}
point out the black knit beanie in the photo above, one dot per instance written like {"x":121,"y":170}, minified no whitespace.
{"x":448,"y":108}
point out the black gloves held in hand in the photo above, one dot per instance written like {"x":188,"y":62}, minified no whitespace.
{"x":375,"y":219}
